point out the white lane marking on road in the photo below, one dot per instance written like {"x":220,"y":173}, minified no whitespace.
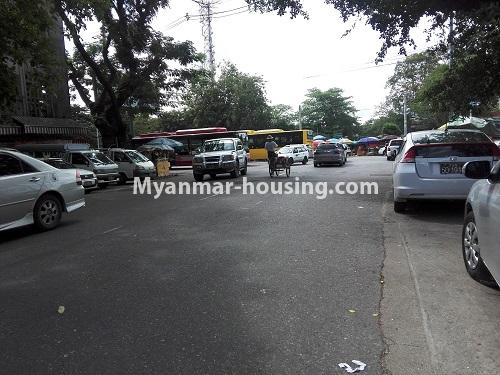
{"x":112,"y":229}
{"x":425,"y":318}
{"x":210,"y":196}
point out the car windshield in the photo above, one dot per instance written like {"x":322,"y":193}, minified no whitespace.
{"x":449,"y":137}
{"x":136,"y":157}
{"x":218,"y":145}
{"x":98,"y":158}
{"x":285,"y":150}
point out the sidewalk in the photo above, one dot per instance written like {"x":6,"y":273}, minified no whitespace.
{"x":435,"y":318}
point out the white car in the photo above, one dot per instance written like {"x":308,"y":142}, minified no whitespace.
{"x":429,"y":164}
{"x":393,"y":148}
{"x":480,"y":244}
{"x":33,"y":192}
{"x":295,"y":153}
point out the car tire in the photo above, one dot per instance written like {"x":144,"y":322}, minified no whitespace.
{"x":316,"y":165}
{"x":122,"y":180}
{"x":245,"y":169}
{"x":471,"y":251}
{"x":198,"y":176}
{"x":236,"y":171}
{"x":291,"y":161}
{"x":103,"y":186}
{"x":213,"y":176}
{"x":47,"y":212}
{"x":304,"y":161}
{"x":399,"y":207}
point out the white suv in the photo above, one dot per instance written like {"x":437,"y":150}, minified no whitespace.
{"x":295,"y":153}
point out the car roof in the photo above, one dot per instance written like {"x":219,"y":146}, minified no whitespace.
{"x":439,"y":131}
{"x":30,"y":160}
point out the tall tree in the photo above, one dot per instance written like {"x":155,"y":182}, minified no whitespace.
{"x":283,"y":116}
{"x":474,"y":42}
{"x":130,"y":66}
{"x":24,"y":28}
{"x":235,"y":100}
{"x":329,"y":112}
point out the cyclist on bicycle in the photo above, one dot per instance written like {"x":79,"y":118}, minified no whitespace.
{"x":271,"y":147}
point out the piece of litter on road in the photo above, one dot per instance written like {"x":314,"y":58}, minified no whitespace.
{"x":61,"y":309}
{"x":351,"y":311}
{"x":375,"y":314}
{"x":360,"y":366}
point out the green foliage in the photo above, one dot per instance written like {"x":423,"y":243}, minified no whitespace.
{"x":329,"y":112}
{"x":235,"y":100}
{"x":24,"y":27}
{"x":475,"y":66}
{"x":144,"y":123}
{"x":283,"y":117}
{"x":383,"y":125}
{"x":129,"y":66}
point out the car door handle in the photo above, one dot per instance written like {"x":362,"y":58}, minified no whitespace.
{"x":34,"y":179}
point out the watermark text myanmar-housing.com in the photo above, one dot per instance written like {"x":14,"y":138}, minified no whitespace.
{"x":321,"y":190}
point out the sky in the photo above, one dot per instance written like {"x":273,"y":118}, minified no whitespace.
{"x":292,"y":55}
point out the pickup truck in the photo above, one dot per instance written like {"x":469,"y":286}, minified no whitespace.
{"x":221,"y":155}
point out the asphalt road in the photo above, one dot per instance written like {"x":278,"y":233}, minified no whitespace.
{"x":233,"y":284}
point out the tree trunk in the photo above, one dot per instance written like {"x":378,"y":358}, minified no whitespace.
{"x":114,"y":131}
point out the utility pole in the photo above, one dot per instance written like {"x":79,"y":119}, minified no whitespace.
{"x":405,"y":116}
{"x":300,"y":117}
{"x":206,"y":28}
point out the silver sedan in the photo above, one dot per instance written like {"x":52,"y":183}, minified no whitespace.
{"x":429,"y":164}
{"x":33,"y":192}
{"x":480,"y":244}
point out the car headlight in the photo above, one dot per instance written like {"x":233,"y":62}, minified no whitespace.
{"x":227,"y":157}
{"x":198,"y":159}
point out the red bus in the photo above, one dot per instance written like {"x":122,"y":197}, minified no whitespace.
{"x":191,"y":140}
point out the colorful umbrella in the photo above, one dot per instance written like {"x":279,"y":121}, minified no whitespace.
{"x":333,"y":140}
{"x":368,"y":140}
{"x":346,"y":141}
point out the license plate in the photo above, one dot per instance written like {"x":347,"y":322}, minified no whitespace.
{"x":212,"y":166}
{"x":451,"y":168}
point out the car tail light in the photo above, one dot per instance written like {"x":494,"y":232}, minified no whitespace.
{"x":410,"y":155}
{"x":78,"y":177}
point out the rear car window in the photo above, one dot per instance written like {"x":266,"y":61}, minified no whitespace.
{"x":461,"y":150}
{"x":328,"y":146}
{"x":449,"y":137}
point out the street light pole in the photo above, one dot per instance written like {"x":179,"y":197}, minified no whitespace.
{"x":405,"y":118}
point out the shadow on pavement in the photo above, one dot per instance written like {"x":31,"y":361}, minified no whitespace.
{"x":444,"y":212}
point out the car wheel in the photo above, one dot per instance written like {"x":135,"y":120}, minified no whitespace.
{"x":236,"y":171}
{"x":471,"y":250}
{"x":316,"y":165}
{"x":212,"y":176}
{"x":305,"y":160}
{"x":103,"y":185}
{"x":47,"y":213}
{"x":122,"y":180}
{"x":198,"y":176}
{"x":245,"y":169}
{"x":399,"y":207}
{"x":291,"y":161}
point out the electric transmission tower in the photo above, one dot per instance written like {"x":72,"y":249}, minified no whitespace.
{"x":206,"y":10}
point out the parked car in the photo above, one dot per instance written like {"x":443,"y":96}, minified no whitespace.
{"x":348,"y":151}
{"x":294,"y":153}
{"x":220,"y":155}
{"x":33,"y":192}
{"x":131,"y":164}
{"x":308,"y":148}
{"x":89,"y":179}
{"x":429,"y":164}
{"x":393,"y":148}
{"x":103,"y":167}
{"x":330,"y":153}
{"x":480,"y":244}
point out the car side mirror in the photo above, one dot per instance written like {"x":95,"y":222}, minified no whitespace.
{"x":477,"y":169}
